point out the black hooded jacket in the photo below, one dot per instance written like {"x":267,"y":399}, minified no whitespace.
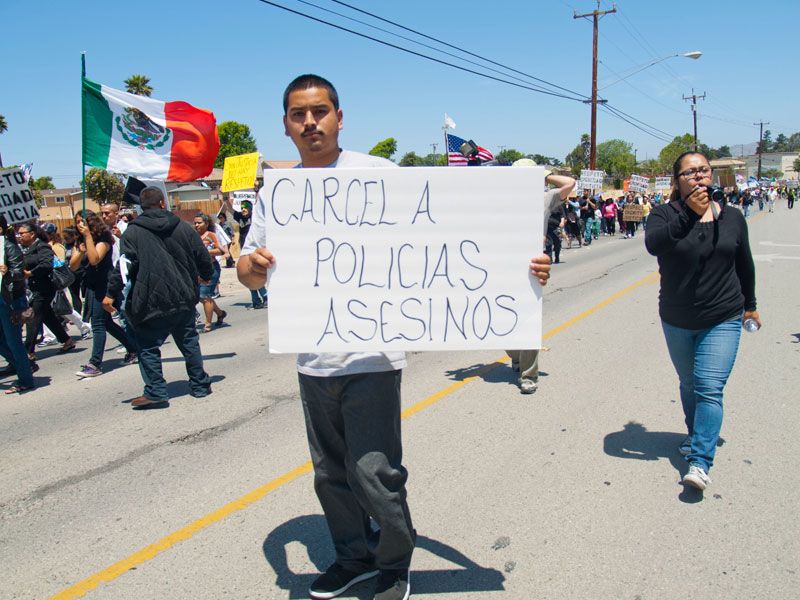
{"x":166,"y":257}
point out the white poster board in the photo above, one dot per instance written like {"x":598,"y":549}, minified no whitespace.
{"x":16,"y":200}
{"x":592,"y":180}
{"x":403,"y":259}
{"x":792,"y":184}
{"x":663,"y":183}
{"x":239,"y":197}
{"x":638,"y":184}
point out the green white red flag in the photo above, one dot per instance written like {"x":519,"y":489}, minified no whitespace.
{"x":140,"y":136}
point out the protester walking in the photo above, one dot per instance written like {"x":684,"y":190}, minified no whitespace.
{"x":97,"y":248}
{"x":166,"y":259}
{"x":707,"y":289}
{"x":13,"y":300}
{"x":38,"y":269}
{"x":204,"y":227}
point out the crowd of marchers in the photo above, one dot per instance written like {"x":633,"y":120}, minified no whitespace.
{"x":67,"y":288}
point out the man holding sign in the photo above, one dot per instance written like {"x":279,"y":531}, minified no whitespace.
{"x":351,"y":401}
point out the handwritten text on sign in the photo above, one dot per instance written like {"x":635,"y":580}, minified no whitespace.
{"x":239,"y":172}
{"x":17,"y":203}
{"x":403,"y":259}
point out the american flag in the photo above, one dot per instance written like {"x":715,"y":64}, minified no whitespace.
{"x":456,"y":159}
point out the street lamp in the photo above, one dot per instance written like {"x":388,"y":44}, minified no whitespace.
{"x":693,"y":55}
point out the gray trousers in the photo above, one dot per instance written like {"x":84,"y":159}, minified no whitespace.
{"x":353,"y":427}
{"x":528,"y":363}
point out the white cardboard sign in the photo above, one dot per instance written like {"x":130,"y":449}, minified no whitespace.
{"x":420,"y":258}
{"x":663,"y":183}
{"x":16,"y":200}
{"x":638,"y":183}
{"x":592,"y":180}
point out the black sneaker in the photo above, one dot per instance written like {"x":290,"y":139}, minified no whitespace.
{"x":337,"y":580}
{"x":393,"y":585}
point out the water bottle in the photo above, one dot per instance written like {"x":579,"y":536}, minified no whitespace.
{"x":750,"y":325}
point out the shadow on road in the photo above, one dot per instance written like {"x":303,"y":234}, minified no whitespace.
{"x":312,"y":532}
{"x":636,"y":442}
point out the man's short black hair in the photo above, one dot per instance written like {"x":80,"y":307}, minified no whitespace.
{"x":308,"y":81}
{"x":151,"y":197}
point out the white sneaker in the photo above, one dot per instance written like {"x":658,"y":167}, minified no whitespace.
{"x":697,"y":477}
{"x":527,"y":386}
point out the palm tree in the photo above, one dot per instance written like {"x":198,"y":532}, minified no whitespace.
{"x":139,"y":85}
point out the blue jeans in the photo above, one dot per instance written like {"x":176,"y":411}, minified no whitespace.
{"x":587,"y":230}
{"x":11,"y":346}
{"x":102,"y":322}
{"x":254,"y":295}
{"x":703,"y":359}
{"x":151,"y":334}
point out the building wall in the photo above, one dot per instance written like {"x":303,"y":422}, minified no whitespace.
{"x":782,"y":161}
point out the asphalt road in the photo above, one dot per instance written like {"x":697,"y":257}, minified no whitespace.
{"x":573,"y":492}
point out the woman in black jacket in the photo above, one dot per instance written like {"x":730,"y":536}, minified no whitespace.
{"x":38,"y":262}
{"x":708,"y":287}
{"x":12,"y":297}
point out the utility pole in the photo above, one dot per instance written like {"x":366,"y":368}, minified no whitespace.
{"x":760,"y":147}
{"x":694,"y":98}
{"x":595,"y":14}
{"x":434,"y":154}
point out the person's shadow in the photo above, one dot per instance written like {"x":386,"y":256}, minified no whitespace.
{"x":312,"y":532}
{"x":636,"y":442}
{"x":496,"y":372}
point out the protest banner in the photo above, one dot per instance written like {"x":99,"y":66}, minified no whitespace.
{"x":663,"y":183}
{"x":592,"y":180}
{"x":239,"y":172}
{"x":638,"y":184}
{"x":17,"y":203}
{"x":633,"y":212}
{"x":239,"y":197}
{"x":403,"y":259}
{"x":791,"y":184}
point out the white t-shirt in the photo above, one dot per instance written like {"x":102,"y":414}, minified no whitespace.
{"x":330,"y":364}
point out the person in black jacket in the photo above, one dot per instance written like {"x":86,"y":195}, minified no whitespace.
{"x":708,"y":286}
{"x":12,"y":297}
{"x":38,"y":267}
{"x":163,"y":259}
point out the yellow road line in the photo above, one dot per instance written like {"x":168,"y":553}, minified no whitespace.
{"x":151,"y":551}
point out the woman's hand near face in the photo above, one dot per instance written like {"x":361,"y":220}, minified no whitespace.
{"x":698,"y":200}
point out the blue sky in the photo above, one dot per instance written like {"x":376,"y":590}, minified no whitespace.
{"x":236,"y":57}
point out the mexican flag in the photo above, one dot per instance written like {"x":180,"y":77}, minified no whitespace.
{"x":140,"y":136}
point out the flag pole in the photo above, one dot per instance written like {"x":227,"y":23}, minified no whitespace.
{"x":446,"y":147}
{"x":83,"y":131}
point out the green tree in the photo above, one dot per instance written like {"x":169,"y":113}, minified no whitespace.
{"x":724,"y":152}
{"x":670,"y":153}
{"x":234,"y":139}
{"x":410,"y":159}
{"x":42,"y":183}
{"x":649,"y":167}
{"x":772,"y":173}
{"x":509,"y":155}
{"x":578,"y":159}
{"x":103,"y":186}
{"x":139,"y":85}
{"x":386,"y":148}
{"x":616,"y":158}
{"x":781,"y":143}
{"x":796,"y":165}
{"x":435,"y":160}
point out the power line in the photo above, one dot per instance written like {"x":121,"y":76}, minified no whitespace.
{"x":413,"y":41}
{"x":457,"y":48}
{"x":419,"y":54}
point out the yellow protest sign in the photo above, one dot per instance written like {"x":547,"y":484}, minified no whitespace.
{"x":239,"y":172}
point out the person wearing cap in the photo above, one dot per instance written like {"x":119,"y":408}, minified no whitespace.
{"x":526,"y":362}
